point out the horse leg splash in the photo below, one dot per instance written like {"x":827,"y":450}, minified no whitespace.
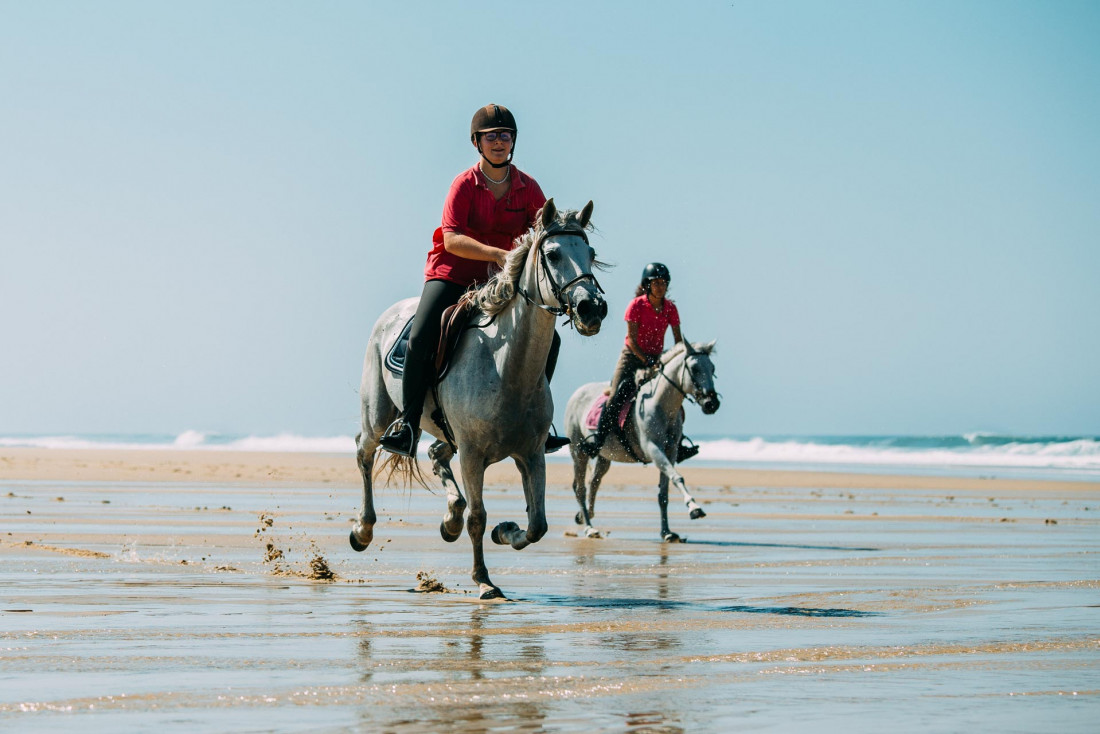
{"x":441,"y":454}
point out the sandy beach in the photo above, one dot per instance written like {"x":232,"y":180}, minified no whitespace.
{"x":216,"y":591}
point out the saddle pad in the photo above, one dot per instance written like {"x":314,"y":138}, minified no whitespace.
{"x":592,"y":417}
{"x":395,"y":358}
{"x":452,"y":324}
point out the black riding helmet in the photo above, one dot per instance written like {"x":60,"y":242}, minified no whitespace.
{"x":493,"y":117}
{"x":655,"y":271}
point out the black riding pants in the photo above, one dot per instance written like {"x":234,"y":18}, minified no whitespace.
{"x":424,"y":339}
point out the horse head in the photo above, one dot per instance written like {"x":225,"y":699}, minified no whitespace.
{"x":700,"y":370}
{"x":564,"y":261}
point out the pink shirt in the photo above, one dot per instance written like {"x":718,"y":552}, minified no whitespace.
{"x":471,"y":210}
{"x":652,"y":323}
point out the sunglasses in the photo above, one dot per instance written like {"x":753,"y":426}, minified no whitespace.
{"x":505,"y":136}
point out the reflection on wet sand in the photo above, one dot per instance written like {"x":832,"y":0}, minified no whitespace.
{"x":783,"y":610}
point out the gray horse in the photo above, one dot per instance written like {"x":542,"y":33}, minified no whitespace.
{"x":655,"y":430}
{"x":495,"y":396}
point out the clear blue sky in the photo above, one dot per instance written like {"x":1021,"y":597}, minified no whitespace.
{"x":887,"y":214}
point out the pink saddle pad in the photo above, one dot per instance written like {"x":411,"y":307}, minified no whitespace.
{"x":592,"y":418}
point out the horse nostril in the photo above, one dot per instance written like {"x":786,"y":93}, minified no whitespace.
{"x":591,"y":309}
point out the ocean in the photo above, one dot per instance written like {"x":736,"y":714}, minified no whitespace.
{"x":972,"y":454}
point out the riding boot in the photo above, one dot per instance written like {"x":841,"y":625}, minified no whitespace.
{"x":403,"y":434}
{"x":553,"y":441}
{"x":608,"y":417}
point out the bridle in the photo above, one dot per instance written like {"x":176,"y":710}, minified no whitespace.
{"x":676,"y":384}
{"x":558,"y":291}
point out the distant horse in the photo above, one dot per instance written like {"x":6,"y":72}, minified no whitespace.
{"x":494,"y":397}
{"x":652,"y":432}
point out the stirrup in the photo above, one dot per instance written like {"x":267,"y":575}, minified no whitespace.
{"x":554,"y":441}
{"x":686,"y":451}
{"x":591,"y":446}
{"x":400,"y":439}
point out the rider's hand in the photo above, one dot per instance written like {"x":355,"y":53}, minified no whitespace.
{"x":502,"y":257}
{"x":650,"y":361}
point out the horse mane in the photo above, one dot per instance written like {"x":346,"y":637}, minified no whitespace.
{"x":697,"y":347}
{"x":501,"y":289}
{"x":672,"y":352}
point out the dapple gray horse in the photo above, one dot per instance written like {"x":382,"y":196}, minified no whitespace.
{"x":655,"y":430}
{"x":495,"y":396}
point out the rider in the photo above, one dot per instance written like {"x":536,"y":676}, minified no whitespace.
{"x":647,"y":318}
{"x":488,"y":206}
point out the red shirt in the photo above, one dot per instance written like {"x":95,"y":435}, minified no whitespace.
{"x":471,"y":210}
{"x":652,"y":323}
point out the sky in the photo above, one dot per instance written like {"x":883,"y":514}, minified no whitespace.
{"x":886,"y":213}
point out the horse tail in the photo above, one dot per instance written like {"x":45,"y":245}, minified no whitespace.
{"x":405,"y":468}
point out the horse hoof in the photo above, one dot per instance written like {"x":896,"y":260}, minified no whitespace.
{"x":504,"y":527}
{"x":355,"y":544}
{"x":578,"y":518}
{"x":592,"y":533}
{"x":492,"y":592}
{"x":448,"y":536}
{"x":672,"y":538}
{"x":697,"y":513}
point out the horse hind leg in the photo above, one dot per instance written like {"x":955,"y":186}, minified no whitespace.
{"x":580,"y":481}
{"x":362,"y":532}
{"x":441,"y":454}
{"x":599,"y":470}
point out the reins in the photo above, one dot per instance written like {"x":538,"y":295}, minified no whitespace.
{"x":660,"y":372}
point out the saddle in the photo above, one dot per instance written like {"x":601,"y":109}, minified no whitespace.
{"x":452,"y":323}
{"x":624,"y":426}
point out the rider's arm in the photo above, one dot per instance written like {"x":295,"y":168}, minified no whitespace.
{"x":676,"y":334}
{"x":469,"y":248}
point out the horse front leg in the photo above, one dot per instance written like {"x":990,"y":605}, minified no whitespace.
{"x":362,"y":532}
{"x":668,"y":469}
{"x":533,"y":472}
{"x":662,"y":501}
{"x":473,"y":476}
{"x":441,"y":454}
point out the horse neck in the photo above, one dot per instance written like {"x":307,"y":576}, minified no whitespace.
{"x":665,"y":392}
{"x":527,"y":332}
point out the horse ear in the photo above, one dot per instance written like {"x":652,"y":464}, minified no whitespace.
{"x":690,"y":350}
{"x":709,"y":346}
{"x":585,"y":215}
{"x":549,"y":212}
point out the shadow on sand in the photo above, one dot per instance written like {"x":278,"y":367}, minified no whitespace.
{"x":735,"y":544}
{"x":667,"y":604}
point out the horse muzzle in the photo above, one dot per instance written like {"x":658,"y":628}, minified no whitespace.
{"x":709,"y":403}
{"x":589,"y":310}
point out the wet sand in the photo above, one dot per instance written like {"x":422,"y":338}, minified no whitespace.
{"x":207,"y":591}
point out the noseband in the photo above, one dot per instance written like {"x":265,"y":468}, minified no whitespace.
{"x":563,"y":308}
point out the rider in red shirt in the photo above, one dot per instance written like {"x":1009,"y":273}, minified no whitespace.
{"x":487,"y":208}
{"x":648,"y":317}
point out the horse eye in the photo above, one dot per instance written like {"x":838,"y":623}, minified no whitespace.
{"x":553,"y":256}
